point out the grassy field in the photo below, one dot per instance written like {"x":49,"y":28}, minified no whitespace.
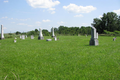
{"x":69,"y":58}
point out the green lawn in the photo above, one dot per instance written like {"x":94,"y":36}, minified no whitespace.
{"x":69,"y":58}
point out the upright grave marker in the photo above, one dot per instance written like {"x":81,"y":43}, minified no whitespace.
{"x":40,"y":37}
{"x":94,"y":37}
{"x":53,"y":35}
{"x":23,"y":36}
{"x":2,"y":34}
{"x":32,"y":37}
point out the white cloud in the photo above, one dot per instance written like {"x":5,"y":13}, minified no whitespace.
{"x":49,"y":4}
{"x":78,"y":15}
{"x":100,"y":16}
{"x":38,"y":22}
{"x":79,"y":9}
{"x":53,"y":12}
{"x":86,"y":24}
{"x":61,"y":23}
{"x":117,"y":11}
{"x":46,"y":20}
{"x":24,"y":19}
{"x":4,"y":17}
{"x":6,"y":1}
{"x":23,"y":24}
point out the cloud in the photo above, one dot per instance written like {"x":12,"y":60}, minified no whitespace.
{"x":60,"y":23}
{"x":4,"y":17}
{"x":100,"y":16}
{"x":38,"y":22}
{"x":6,"y":1}
{"x":73,"y":8}
{"x":23,"y":24}
{"x":117,"y":11}
{"x":24,"y":19}
{"x":85,"y":24}
{"x":46,"y":20}
{"x":49,"y":4}
{"x":78,"y":15}
{"x":53,"y":12}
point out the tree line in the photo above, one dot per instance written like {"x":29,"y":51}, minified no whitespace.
{"x":61,"y":30}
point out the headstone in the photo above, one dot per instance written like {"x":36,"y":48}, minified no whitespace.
{"x":86,"y":35}
{"x":32,"y":37}
{"x":55,"y":38}
{"x":26,"y":36}
{"x":15,"y":41}
{"x":48,"y":39}
{"x":53,"y":35}
{"x":40,"y":37}
{"x":20,"y":36}
{"x":15,"y":38}
{"x":23,"y":37}
{"x":2,"y":34}
{"x":93,"y":40}
{"x":114,"y":39}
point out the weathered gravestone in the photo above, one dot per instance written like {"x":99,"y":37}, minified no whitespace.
{"x":53,"y":35}
{"x":26,"y":36}
{"x":20,"y":36}
{"x":48,"y":39}
{"x":2,"y":34}
{"x":94,"y":37}
{"x":23,"y":37}
{"x":32,"y":37}
{"x":40,"y":37}
{"x":55,"y":38}
{"x":15,"y":41}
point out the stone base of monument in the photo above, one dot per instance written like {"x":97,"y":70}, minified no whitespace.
{"x":2,"y":38}
{"x":48,"y":39}
{"x":53,"y":36}
{"x":94,"y":42}
{"x":40,"y":38}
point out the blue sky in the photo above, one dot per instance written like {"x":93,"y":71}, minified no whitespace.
{"x":27,"y":15}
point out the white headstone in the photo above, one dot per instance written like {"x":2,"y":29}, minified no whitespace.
{"x":23,"y":36}
{"x":55,"y":38}
{"x":26,"y":36}
{"x":2,"y":33}
{"x":15,"y":38}
{"x":40,"y":37}
{"x":32,"y":37}
{"x":20,"y":36}
{"x":15,"y":41}
{"x":53,"y":35}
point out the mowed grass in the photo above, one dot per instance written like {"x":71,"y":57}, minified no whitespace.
{"x":69,"y":58}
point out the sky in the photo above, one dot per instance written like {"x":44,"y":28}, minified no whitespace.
{"x":28,"y":15}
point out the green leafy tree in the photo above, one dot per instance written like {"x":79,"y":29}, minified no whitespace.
{"x":17,"y":33}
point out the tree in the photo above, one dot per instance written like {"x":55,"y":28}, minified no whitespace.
{"x":18,"y":33}
{"x":45,"y":32}
{"x":36,"y":30}
{"x":108,"y":22}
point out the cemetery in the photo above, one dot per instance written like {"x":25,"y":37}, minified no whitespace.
{"x":69,"y":58}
